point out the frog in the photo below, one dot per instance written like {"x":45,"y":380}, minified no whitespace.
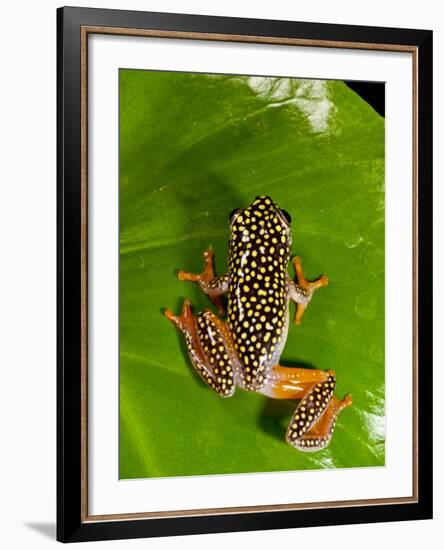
{"x":242,"y":346}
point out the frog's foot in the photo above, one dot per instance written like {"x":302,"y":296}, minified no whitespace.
{"x":314,"y":420}
{"x":212,"y":286}
{"x":303,"y":290}
{"x":184,"y":321}
{"x":209,"y":347}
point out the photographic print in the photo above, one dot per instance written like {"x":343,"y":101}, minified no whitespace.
{"x":251,"y":274}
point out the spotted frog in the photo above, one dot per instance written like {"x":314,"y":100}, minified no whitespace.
{"x":245,"y":350}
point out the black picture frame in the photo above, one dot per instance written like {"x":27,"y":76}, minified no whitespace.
{"x":72,"y":523}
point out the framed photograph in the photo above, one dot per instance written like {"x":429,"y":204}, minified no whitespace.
{"x":244,"y":274}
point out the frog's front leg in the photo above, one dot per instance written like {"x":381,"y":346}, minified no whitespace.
{"x":209,"y":347}
{"x":313,"y":422}
{"x":213,"y":286}
{"x":302,"y":291}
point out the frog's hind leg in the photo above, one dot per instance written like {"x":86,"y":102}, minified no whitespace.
{"x":209,"y":347}
{"x":313,"y":422}
{"x":314,"y":419}
{"x":212,"y":285}
{"x":319,"y":435}
{"x":292,"y":382}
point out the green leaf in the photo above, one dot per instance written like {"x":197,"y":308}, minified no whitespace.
{"x":192,"y":148}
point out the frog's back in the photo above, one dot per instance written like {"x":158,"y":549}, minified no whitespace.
{"x":257,"y":305}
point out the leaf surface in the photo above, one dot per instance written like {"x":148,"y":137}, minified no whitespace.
{"x":192,"y":148}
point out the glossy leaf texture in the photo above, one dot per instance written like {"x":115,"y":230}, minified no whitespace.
{"x":192,"y":148}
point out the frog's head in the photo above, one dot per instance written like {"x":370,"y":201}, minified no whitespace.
{"x":262,"y":217}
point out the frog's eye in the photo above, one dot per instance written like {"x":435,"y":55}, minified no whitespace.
{"x":233,"y":214}
{"x":286,"y":216}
